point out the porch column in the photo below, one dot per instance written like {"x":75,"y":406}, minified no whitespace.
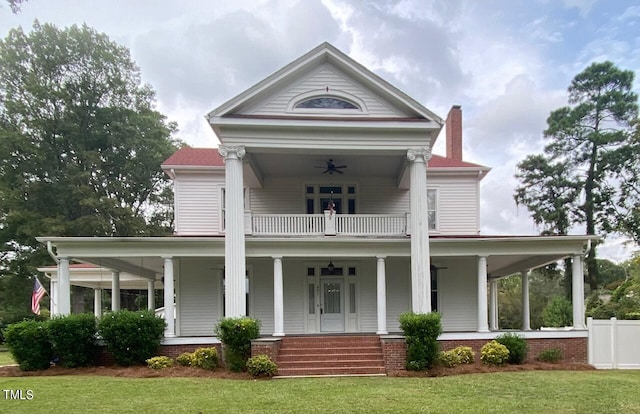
{"x":420,"y":266}
{"x":278,"y":297}
{"x":493,"y":305}
{"x":97,"y":303}
{"x":483,"y":317}
{"x":151,"y":295}
{"x":382,"y":296}
{"x":577,"y":293}
{"x":234,"y":247}
{"x":64,"y":287}
{"x":169,"y":312}
{"x":54,"y":297}
{"x":526,"y":319}
{"x":115,"y":291}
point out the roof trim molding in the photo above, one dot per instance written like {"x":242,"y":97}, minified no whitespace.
{"x":321,"y":53}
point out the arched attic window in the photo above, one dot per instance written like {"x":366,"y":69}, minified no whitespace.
{"x":327,"y":102}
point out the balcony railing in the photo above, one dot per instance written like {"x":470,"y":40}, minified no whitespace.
{"x":328,"y":224}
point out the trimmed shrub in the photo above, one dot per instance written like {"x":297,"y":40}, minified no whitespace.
{"x":73,"y":338}
{"x":421,"y":332}
{"x":552,"y":355}
{"x":160,"y":362}
{"x":205,"y":358}
{"x":29,"y":344}
{"x":558,"y":313}
{"x":494,"y":353}
{"x":131,"y":337}
{"x":185,"y":359}
{"x":262,"y":366}
{"x":516,"y":345}
{"x":449,"y":359}
{"x":236,"y":335}
{"x":465,"y":354}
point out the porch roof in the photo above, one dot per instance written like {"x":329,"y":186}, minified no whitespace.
{"x":142,"y":256}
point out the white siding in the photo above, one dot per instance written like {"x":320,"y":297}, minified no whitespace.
{"x":278,"y":196}
{"x":293,"y":281}
{"x":197,"y":201}
{"x":261,"y":294}
{"x":318,"y":79}
{"x":199,"y":297}
{"x":368,"y":307}
{"x":458,"y":297}
{"x":457,"y":204}
{"x":398,"y":279}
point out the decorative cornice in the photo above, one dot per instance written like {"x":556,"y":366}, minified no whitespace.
{"x":419,"y":154}
{"x":235,"y":152}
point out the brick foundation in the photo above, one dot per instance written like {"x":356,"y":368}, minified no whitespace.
{"x":104,"y":358}
{"x":267,"y":346}
{"x":394,"y":352}
{"x":573,"y":349}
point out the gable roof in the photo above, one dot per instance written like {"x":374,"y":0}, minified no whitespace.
{"x":326,"y":52}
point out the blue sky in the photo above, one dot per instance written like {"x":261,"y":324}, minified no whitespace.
{"x":507,"y":62}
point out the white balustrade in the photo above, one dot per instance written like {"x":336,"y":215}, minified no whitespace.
{"x":315,"y":224}
{"x":288,"y":224}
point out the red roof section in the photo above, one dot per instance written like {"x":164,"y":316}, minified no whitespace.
{"x":438,"y":161}
{"x":203,"y":157}
{"x":209,"y":157}
{"x":74,"y":266}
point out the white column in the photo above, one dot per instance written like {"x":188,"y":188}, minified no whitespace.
{"x":97,"y":303}
{"x":234,"y":255}
{"x":278,"y":297}
{"x":526,"y":318}
{"x":115,"y":291}
{"x":169,"y":312}
{"x":420,"y":266}
{"x":382,"y":296}
{"x":483,"y":316}
{"x":64,"y":287}
{"x":54,"y":297}
{"x":577,"y":293}
{"x":493,"y":305}
{"x":151,"y":295}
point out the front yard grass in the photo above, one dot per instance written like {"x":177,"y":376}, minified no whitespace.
{"x":521,"y":392}
{"x":5,"y":358}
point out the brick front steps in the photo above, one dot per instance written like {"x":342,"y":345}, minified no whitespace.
{"x":330,"y":355}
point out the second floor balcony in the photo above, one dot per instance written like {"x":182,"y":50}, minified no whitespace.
{"x":328,"y":224}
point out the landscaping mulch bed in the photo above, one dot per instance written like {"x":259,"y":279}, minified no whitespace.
{"x":179,"y":371}
{"x":480,"y":368}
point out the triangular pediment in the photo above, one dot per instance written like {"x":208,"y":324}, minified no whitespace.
{"x":325,"y":83}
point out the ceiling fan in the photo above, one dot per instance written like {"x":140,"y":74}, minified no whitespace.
{"x":332,"y":168}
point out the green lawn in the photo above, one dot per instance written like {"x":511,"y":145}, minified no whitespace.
{"x":520,"y":392}
{"x":5,"y":358}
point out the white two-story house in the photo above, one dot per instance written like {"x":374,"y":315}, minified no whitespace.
{"x":323,"y":210}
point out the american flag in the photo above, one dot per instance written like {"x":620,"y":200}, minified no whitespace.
{"x":37,"y":294}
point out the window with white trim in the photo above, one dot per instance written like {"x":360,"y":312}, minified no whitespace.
{"x":432,"y":208}
{"x":223,"y":203}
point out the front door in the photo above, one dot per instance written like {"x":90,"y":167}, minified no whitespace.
{"x":331,"y":305}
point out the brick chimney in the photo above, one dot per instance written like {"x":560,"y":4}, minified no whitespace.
{"x":454,"y":133}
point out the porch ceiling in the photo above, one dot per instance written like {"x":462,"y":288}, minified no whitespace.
{"x":312,"y":166}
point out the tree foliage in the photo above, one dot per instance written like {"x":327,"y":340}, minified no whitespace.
{"x":574,"y":181}
{"x":81,"y":144}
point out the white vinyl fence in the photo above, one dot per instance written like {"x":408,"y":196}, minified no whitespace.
{"x":613,"y":344}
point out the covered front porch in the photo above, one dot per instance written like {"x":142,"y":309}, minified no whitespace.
{"x":323,"y":285}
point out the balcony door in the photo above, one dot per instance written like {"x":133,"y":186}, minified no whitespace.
{"x":318,"y":197}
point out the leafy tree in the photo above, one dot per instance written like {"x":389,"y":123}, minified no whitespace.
{"x":626,"y":164}
{"x":81,"y":144}
{"x":582,"y":139}
{"x":16,"y":5}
